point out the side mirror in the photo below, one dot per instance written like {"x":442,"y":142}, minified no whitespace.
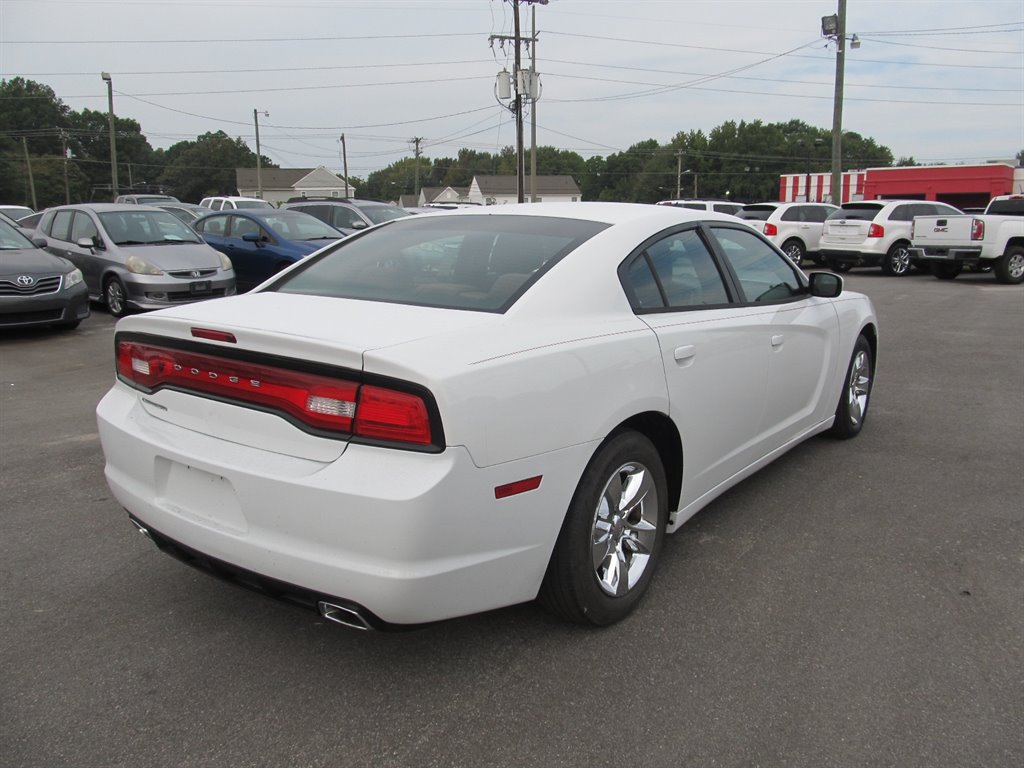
{"x":825,"y":285}
{"x":87,"y":242}
{"x":359,"y":224}
{"x":251,"y":237}
{"x":39,"y":242}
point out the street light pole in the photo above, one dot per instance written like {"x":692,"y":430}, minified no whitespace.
{"x":259,"y":161}
{"x":113,"y":143}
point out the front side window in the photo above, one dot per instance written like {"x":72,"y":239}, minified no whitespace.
{"x":83,"y":226}
{"x":481,"y":263}
{"x":242,"y":226}
{"x":676,"y":272}
{"x":61,"y":226}
{"x":763,"y":273}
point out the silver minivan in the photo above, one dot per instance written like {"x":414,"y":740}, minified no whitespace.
{"x":136,"y":257}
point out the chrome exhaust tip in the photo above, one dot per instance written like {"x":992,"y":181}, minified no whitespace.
{"x":141,"y":528}
{"x":340,"y":614}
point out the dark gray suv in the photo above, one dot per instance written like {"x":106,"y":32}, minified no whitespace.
{"x":346,"y":214}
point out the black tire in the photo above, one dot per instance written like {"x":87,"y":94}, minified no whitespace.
{"x":897,"y":261}
{"x":115,"y":297}
{"x":1009,"y":267}
{"x":947,"y":270}
{"x":795,"y":250}
{"x":630,"y":530}
{"x":855,"y":397}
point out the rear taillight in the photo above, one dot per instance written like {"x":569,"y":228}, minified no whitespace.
{"x":876,"y":230}
{"x":324,"y":404}
{"x":977,"y":229}
{"x":770,"y":229}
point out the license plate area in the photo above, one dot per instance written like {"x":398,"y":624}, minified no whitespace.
{"x":200,"y":287}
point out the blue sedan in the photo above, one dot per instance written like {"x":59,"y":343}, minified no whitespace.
{"x":262,"y":241}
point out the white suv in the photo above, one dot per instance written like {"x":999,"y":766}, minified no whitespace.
{"x":231,"y":203}
{"x":872,"y":233}
{"x":721,"y":206}
{"x":794,"y":227}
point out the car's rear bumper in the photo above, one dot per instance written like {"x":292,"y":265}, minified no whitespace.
{"x":945,"y":254}
{"x":411,"y":537}
{"x":854,"y":258}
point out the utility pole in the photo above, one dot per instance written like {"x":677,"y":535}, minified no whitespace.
{"x":519,"y":82}
{"x":259,"y":160}
{"x":533,"y":105}
{"x":416,"y":154}
{"x":64,"y":155}
{"x":113,"y":144}
{"x":679,"y":173}
{"x":834,"y":28}
{"x":344,"y":164}
{"x":28,"y":166}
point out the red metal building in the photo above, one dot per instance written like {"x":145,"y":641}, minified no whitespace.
{"x":964,"y":186}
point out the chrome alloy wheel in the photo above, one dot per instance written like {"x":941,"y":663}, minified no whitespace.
{"x":625,"y":529}
{"x":899,"y":260}
{"x":858,"y":387}
{"x":1015,"y":266}
{"x":114,"y":297}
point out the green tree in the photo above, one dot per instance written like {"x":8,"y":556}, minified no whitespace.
{"x":30,"y":115}
{"x":206,"y":166}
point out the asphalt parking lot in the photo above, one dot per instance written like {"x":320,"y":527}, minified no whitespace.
{"x":857,"y":603}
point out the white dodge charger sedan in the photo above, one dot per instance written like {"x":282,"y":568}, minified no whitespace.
{"x":448,"y":414}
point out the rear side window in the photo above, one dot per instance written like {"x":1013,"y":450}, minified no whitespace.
{"x":214,"y":225}
{"x":675,"y":272}
{"x":479,"y":263}
{"x":727,"y":207}
{"x":815,"y":213}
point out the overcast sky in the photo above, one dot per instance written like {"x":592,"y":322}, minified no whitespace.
{"x":940,"y":81}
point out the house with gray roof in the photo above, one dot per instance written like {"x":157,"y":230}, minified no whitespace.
{"x":280,"y":184}
{"x":501,"y":190}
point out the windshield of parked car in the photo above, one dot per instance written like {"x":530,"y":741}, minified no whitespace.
{"x":11,"y":239}
{"x":860,"y":211}
{"x":481,"y":263}
{"x":143,"y":227}
{"x":295,"y":225}
{"x":378,"y":214}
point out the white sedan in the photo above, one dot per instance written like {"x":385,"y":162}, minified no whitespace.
{"x":448,"y":414}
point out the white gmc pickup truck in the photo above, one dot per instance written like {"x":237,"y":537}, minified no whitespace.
{"x":994,"y":238}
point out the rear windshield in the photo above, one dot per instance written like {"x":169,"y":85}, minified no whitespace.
{"x":861,"y":211}
{"x":756,"y":212}
{"x":1013,"y":206}
{"x":481,"y":263}
{"x":252,"y":204}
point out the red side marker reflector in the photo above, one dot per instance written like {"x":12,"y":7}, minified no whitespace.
{"x":212,"y":335}
{"x":519,"y":486}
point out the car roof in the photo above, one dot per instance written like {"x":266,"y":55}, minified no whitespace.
{"x":106,"y":207}
{"x":606,"y":213}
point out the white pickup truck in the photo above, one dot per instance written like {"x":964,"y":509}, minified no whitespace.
{"x":994,"y":238}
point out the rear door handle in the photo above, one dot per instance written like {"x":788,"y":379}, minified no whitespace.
{"x":777,"y":340}
{"x":684,"y":355}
